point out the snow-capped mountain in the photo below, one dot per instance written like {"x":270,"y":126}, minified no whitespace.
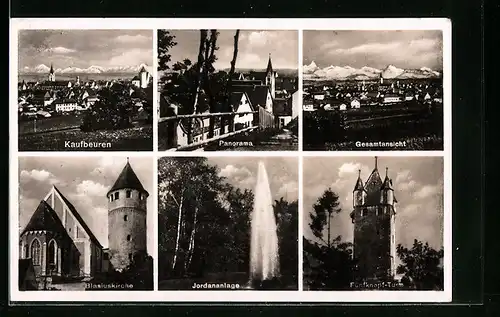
{"x":90,"y":70}
{"x":313,"y":72}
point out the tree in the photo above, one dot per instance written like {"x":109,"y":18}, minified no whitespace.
{"x":165,"y":42}
{"x":112,"y":111}
{"x":421,"y":266}
{"x":328,"y":262}
{"x":286,"y":214}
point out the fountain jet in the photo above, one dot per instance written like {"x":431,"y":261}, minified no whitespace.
{"x":264,"y":258}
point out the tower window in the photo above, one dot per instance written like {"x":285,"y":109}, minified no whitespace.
{"x":125,"y":218}
{"x":130,"y":256}
{"x":128,"y":193}
{"x":117,"y":195}
{"x":141,"y":196}
{"x":128,"y":237}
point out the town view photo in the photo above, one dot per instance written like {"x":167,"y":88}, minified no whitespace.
{"x":373,"y":90}
{"x":85,"y":90}
{"x":373,"y":223}
{"x":225,"y":90}
{"x":228,"y":223}
{"x":85,"y":223}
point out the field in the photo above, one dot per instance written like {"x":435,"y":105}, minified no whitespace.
{"x":52,"y":123}
{"x":132,"y":139}
{"x":417,"y":125}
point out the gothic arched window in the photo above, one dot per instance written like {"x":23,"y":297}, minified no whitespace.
{"x":36,"y":254}
{"x":52,"y":253}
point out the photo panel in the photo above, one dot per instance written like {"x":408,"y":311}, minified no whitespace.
{"x":374,"y":224}
{"x":228,"y":90}
{"x":228,"y":223}
{"x":85,"y":90}
{"x":372,"y":90}
{"x":85,"y":223}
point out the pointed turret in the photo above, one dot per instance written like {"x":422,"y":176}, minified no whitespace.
{"x":358,"y":192}
{"x":51,"y":68}
{"x":269,"y":65}
{"x":127,"y":179}
{"x":387,"y":191}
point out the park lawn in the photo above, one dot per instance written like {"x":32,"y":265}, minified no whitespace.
{"x":52,"y":123}
{"x":132,"y":139}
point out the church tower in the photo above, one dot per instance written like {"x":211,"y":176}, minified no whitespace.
{"x":271,"y":77}
{"x":373,"y":217}
{"x":143,"y":77}
{"x":52,"y":74}
{"x":127,"y":209}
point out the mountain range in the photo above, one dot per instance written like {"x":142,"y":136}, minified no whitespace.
{"x":89,"y":70}
{"x":313,"y":72}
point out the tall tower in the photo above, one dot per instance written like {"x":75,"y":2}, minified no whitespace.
{"x":52,"y":74}
{"x":143,"y":76}
{"x":373,"y":216}
{"x":271,"y":77}
{"x":126,"y":218}
{"x":381,"y":79}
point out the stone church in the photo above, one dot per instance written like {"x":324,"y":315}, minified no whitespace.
{"x":60,"y":244}
{"x":373,"y":216}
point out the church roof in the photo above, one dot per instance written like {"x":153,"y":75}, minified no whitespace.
{"x":78,"y":217}
{"x":44,"y":218}
{"x":127,"y":179}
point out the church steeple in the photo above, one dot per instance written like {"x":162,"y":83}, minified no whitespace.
{"x":51,"y":68}
{"x":269,"y":65}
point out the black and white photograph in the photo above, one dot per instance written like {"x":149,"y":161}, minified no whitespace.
{"x":372,"y":90}
{"x":373,"y":224}
{"x":85,"y":90}
{"x":228,"y":90}
{"x":228,"y":223}
{"x":85,"y":223}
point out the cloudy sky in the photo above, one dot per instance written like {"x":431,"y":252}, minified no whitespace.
{"x":418,"y":187}
{"x":254,"y":48}
{"x":242,"y":172}
{"x":84,"y":48}
{"x":84,"y":182}
{"x":404,"y":49}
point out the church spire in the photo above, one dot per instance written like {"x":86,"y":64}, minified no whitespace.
{"x":269,"y":64}
{"x":51,"y":68}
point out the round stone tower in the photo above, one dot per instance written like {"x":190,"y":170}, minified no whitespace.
{"x":126,"y":218}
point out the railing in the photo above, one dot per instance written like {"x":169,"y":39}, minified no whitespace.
{"x":168,"y":127}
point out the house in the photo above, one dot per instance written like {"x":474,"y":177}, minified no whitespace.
{"x":27,"y":276}
{"x":391,"y":98}
{"x":240,"y":103}
{"x":136,"y":81}
{"x":342,"y":107}
{"x":319,"y":96}
{"x":295,"y":104}
{"x":308,"y":107}
{"x":64,"y":105}
{"x":259,"y":96}
{"x":427,"y":97}
{"x":409,"y":96}
{"x":355,"y":104}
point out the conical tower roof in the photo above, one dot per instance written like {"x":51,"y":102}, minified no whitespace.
{"x":359,"y":182}
{"x":51,"y":68}
{"x":387,"y":181}
{"x":269,"y":64}
{"x":127,"y":179}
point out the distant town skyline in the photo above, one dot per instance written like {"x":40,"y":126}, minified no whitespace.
{"x":75,"y":50}
{"x":254,"y":48}
{"x":407,"y":49}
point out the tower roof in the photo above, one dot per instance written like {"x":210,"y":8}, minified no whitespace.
{"x":269,"y":64}
{"x":127,"y":179}
{"x":51,"y":68}
{"x":359,"y":183}
{"x":373,"y":186}
{"x":143,"y":69}
{"x":387,"y":181}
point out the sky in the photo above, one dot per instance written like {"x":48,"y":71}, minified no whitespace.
{"x":85,"y":182}
{"x":254,"y":48}
{"x":84,"y":48}
{"x":418,"y":187}
{"x":408,"y":49}
{"x":242,"y":172}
